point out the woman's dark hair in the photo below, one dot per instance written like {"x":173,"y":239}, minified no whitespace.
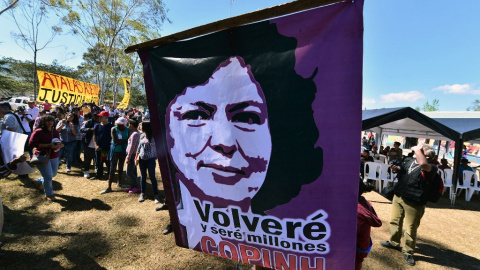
{"x":44,"y":120}
{"x":295,"y":161}
{"x":147,"y":129}
{"x":87,"y":115}
{"x":75,"y":118}
{"x":133,"y":122}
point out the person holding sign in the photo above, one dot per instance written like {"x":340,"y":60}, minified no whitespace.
{"x":46,"y":141}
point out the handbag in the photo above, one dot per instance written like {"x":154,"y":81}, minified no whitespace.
{"x":387,"y":192}
{"x":41,"y":160}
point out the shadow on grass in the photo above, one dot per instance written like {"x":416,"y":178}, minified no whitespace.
{"x":434,"y":253}
{"x":27,"y":183}
{"x":70,"y":203}
{"x":26,"y":222}
{"x":460,"y":203}
{"x":78,"y":253}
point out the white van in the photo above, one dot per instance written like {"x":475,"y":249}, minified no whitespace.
{"x":18,"y":101}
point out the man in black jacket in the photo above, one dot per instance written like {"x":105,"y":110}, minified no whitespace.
{"x":89,"y":147}
{"x":408,"y":205}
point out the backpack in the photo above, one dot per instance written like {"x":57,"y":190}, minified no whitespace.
{"x":433,"y":188}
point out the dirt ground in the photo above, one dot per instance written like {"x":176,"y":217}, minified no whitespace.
{"x":86,"y":230}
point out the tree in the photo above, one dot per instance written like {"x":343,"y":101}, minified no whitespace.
{"x":105,"y":22}
{"x":11,"y":5}
{"x":15,"y":75}
{"x":475,"y":106}
{"x":427,"y":107}
{"x":30,"y":22}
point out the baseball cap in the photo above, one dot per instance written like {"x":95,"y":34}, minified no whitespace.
{"x":20,"y":108}
{"x":103,"y":113}
{"x":121,"y":121}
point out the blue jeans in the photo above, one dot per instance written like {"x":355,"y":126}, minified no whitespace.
{"x":132,"y":172}
{"x":48,"y":172}
{"x":68,"y":151}
{"x":149,"y":165}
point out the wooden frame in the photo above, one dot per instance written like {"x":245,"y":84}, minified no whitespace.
{"x":263,"y":14}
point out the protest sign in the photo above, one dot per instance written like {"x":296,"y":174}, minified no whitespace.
{"x":56,"y":89}
{"x":256,"y":129}
{"x":13,"y":146}
{"x":126,"y":97}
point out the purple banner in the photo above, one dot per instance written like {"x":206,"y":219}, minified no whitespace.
{"x":257,"y":136}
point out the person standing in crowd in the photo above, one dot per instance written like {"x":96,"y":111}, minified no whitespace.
{"x":463,"y":167}
{"x":11,"y":121}
{"x":47,"y":106}
{"x":46,"y":141}
{"x":88,"y":145}
{"x":408,"y":205}
{"x":118,"y":152}
{"x":101,"y":137}
{"x":33,"y":111}
{"x":78,"y":146}
{"x":366,"y":219}
{"x":5,"y":170}
{"x":37,"y":120}
{"x":86,"y":109}
{"x":146,"y":157}
{"x":395,"y":153}
{"x":69,"y":129}
{"x":25,"y":120}
{"x":132,"y":147}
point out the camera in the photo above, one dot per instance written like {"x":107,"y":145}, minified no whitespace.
{"x":396,"y":162}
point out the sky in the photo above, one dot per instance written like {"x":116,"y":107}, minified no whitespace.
{"x":414,"y":51}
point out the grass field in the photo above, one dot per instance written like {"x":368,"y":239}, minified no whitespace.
{"x":86,"y":230}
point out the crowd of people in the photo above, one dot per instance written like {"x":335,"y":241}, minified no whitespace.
{"x":108,"y":137}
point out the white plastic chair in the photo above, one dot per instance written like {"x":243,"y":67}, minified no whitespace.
{"x":447,"y":181}
{"x":385,"y":176}
{"x":379,"y":161}
{"x":467,"y":179}
{"x":374,"y":173}
{"x":382,"y":158}
{"x":472,"y":189}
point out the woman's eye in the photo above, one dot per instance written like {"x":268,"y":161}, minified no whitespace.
{"x":247,"y":118}
{"x":195,"y":115}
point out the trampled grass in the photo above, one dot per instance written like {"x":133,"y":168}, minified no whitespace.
{"x":86,"y":230}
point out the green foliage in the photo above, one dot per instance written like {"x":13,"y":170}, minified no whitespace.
{"x":108,"y":26}
{"x":427,"y":107}
{"x":137,"y":98}
{"x":16,"y":76}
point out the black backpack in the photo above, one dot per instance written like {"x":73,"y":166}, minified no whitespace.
{"x":433,"y":188}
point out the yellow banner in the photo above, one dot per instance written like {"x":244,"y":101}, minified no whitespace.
{"x":126,"y":97}
{"x":57,"y":89}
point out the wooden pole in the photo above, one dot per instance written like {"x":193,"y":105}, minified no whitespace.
{"x":263,"y":14}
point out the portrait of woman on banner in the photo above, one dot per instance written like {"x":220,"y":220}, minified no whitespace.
{"x":240,"y":129}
